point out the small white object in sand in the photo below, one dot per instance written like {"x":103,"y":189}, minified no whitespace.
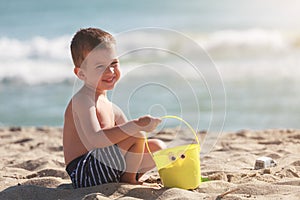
{"x":264,"y":162}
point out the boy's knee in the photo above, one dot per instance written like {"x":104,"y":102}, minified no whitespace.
{"x":140,"y":135}
{"x":161,"y":145}
{"x":157,"y":145}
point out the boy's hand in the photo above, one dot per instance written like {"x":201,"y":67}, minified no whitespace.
{"x":148,"y":123}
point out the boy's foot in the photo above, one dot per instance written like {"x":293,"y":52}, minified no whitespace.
{"x":130,"y":178}
{"x":138,"y":176}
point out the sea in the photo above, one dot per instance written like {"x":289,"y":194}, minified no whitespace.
{"x":221,"y":65}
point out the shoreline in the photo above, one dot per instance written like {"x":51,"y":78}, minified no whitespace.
{"x":32,"y":167}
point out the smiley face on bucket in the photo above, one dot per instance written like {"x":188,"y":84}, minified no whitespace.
{"x":174,"y":155}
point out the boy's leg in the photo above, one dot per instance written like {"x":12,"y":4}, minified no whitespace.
{"x":147,"y":161}
{"x":133,"y":149}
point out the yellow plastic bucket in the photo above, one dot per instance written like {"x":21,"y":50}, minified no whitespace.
{"x":179,"y":166}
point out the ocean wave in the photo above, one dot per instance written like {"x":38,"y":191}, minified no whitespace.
{"x":34,"y":72}
{"x":247,"y":43}
{"x":43,"y":60}
{"x":36,"y":48}
{"x":237,"y":41}
{"x":36,"y":61}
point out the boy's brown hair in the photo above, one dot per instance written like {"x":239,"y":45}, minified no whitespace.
{"x":85,"y":40}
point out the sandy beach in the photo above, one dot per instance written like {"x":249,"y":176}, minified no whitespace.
{"x":32,"y":167}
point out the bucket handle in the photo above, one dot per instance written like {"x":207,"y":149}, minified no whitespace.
{"x":180,"y":119}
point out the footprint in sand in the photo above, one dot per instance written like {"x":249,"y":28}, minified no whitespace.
{"x":39,"y":164}
{"x":289,"y":172}
{"x":56,"y":148}
{"x":31,"y":165}
{"x":273,"y":155}
{"x":22,"y":141}
{"x":296,"y":163}
{"x":44,"y":182}
{"x":49,"y":173}
{"x":95,"y":196}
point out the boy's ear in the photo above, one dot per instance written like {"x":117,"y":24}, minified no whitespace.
{"x":79,"y":73}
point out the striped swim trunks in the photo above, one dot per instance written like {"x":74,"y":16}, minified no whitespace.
{"x":98,"y":166}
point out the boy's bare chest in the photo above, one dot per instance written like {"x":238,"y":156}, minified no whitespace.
{"x":105,"y":114}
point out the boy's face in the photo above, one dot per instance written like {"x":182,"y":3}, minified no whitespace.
{"x":101,"y":69}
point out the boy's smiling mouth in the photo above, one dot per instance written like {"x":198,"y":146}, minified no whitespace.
{"x":109,"y":79}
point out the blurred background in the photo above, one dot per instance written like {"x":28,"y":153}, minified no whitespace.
{"x":254,"y":46}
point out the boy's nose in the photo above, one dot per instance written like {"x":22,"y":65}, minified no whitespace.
{"x":111,"y":69}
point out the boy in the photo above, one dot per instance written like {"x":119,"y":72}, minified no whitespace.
{"x":100,"y":145}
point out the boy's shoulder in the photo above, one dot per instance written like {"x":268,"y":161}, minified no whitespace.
{"x":82,"y":98}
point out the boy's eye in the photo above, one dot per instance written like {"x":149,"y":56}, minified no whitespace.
{"x":114,"y":64}
{"x":100,"y":66}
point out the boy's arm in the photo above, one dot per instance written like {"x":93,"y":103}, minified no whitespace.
{"x":120,"y":117}
{"x":89,"y":129}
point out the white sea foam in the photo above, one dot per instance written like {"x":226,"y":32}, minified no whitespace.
{"x":254,"y":42}
{"x":248,"y":52}
{"x":36,"y":48}
{"x":35,"y":61}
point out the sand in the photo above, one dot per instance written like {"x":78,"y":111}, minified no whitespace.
{"x":32,"y":167}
